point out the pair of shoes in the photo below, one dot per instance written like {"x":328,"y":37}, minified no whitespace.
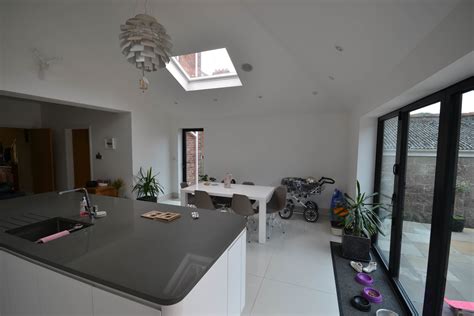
{"x":357,"y":266}
{"x":372,"y":266}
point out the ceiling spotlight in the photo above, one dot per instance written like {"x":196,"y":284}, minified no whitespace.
{"x":260,"y":97}
{"x":315,"y":92}
{"x":247,"y":67}
{"x":339,"y":48}
{"x":331,"y":77}
{"x":215,"y":99}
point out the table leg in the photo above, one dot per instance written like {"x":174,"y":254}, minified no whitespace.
{"x":184,"y":198}
{"x":262,"y":221}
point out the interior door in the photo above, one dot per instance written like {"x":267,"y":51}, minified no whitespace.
{"x":42,"y":160}
{"x":81,"y":157}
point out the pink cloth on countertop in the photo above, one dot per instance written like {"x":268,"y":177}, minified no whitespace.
{"x":53,"y":236}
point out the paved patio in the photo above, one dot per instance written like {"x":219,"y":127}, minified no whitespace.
{"x":414,"y":259}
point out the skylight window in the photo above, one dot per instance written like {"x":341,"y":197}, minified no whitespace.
{"x":210,"y":69}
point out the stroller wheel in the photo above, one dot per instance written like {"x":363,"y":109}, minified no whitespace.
{"x":287,"y":212}
{"x":311,"y":213}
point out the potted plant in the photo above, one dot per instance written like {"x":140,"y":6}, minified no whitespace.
{"x":147,"y":186}
{"x":360,"y":224}
{"x":458,"y":221}
{"x":117,"y":184}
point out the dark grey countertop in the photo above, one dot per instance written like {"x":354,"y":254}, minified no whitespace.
{"x":151,"y":260}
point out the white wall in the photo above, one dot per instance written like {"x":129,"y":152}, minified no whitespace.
{"x":114,"y":163}
{"x":266,"y":148}
{"x":82,"y":34}
{"x":443,"y":58}
{"x":151,"y":143}
{"x":19,"y":113}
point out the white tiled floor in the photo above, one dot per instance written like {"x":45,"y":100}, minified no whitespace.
{"x":292,"y":273}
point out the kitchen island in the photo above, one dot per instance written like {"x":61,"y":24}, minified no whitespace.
{"x":123,"y":264}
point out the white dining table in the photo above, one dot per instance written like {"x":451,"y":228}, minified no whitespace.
{"x":260,"y":193}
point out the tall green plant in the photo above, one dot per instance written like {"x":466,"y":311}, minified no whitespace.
{"x":362,"y":220}
{"x":147,"y":184}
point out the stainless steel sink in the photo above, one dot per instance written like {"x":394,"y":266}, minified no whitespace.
{"x":36,"y":231}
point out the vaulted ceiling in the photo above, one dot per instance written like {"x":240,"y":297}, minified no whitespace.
{"x":291,"y":45}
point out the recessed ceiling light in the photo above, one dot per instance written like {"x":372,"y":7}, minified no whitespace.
{"x":331,"y":77}
{"x":247,"y":67}
{"x":315,"y":92}
{"x":260,"y":97}
{"x":215,"y":99}
{"x":339,"y":48}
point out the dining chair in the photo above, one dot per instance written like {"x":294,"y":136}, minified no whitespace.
{"x":191,"y":199}
{"x":249,"y":183}
{"x":203,"y":200}
{"x":276,"y":204}
{"x":242,"y":206}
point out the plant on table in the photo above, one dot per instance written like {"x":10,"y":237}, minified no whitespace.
{"x":147,"y":186}
{"x":361,"y":223}
{"x":118,"y":184}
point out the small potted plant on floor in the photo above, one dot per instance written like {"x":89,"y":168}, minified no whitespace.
{"x":147,"y":186}
{"x":360,"y":224}
{"x":458,"y":221}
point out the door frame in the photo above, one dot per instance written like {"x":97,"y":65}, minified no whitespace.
{"x":183,"y":149}
{"x":70,"y":158}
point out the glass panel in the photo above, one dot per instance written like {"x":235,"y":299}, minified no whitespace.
{"x":194,"y":156}
{"x":420,"y":176}
{"x":460,"y":277}
{"x":387,"y":181}
{"x":206,"y":64}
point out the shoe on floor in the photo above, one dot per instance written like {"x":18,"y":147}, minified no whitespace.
{"x":357,"y":266}
{"x":372,"y":266}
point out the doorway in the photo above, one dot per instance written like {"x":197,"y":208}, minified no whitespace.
{"x":193,"y":154}
{"x":81,"y":157}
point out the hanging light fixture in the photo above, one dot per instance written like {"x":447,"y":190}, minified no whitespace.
{"x":145,"y":44}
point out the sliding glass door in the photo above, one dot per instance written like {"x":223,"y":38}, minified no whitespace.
{"x":423,"y":127}
{"x":389,"y":131}
{"x":425,"y":177}
{"x":460,"y":278}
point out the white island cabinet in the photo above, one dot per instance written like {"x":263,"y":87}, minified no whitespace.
{"x":30,"y":288}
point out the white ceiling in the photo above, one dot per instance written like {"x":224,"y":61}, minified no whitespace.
{"x":291,"y":45}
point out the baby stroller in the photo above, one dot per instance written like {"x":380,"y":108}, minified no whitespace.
{"x":300,"y":191}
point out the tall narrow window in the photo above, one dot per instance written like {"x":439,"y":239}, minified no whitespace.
{"x":460,"y":277}
{"x":387,"y":182}
{"x":193,"y":154}
{"x":418,"y":204}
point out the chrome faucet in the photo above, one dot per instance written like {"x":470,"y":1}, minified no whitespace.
{"x":89,"y":207}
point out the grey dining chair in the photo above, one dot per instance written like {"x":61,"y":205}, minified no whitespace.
{"x":242,"y":206}
{"x":276,"y":204}
{"x":191,"y":199}
{"x":203,"y":200}
{"x":249,"y":183}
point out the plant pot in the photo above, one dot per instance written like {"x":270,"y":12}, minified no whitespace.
{"x":336,"y":228}
{"x":148,"y":199}
{"x":356,"y":248}
{"x":457,"y":225}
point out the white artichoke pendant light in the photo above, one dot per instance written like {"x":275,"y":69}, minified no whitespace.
{"x":145,"y":44}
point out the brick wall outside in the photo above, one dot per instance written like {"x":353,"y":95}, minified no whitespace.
{"x":420,"y":186}
{"x":191,"y":156}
